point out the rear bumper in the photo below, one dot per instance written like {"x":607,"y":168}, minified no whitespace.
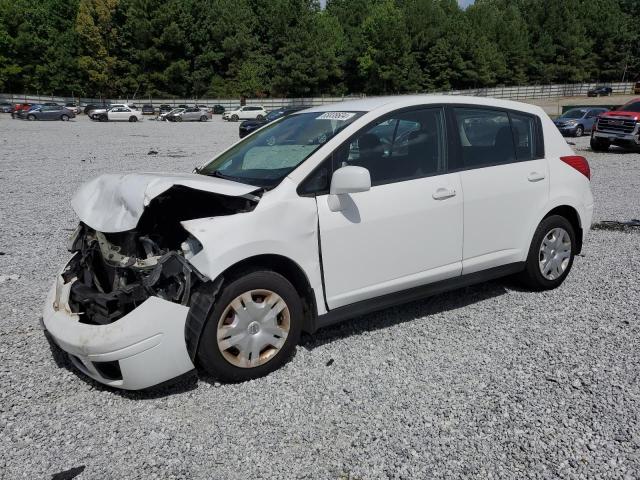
{"x":144,"y":348}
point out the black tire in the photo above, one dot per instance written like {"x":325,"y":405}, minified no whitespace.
{"x":209,"y":355}
{"x":532,"y":276}
{"x":133,"y":119}
{"x":31,"y":117}
{"x":260,"y":117}
{"x":579,"y":131}
{"x":203,"y":118}
{"x":103,"y":118}
{"x":599,"y":145}
{"x":234,"y":118}
{"x":178,"y":119}
{"x":64,"y":118}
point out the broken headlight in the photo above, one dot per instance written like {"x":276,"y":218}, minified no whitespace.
{"x":190,"y":247}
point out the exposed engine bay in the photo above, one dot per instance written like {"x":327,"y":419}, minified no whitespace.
{"x":116,"y":272}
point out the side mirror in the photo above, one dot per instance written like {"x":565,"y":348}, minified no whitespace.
{"x":345,"y":180}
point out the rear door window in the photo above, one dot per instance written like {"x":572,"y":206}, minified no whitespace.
{"x":495,"y":137}
{"x":485,"y":137}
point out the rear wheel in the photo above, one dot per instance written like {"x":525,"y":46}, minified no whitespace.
{"x":203,"y":118}
{"x":550,"y":255}
{"x":64,"y":118}
{"x":133,"y":119}
{"x":253,"y":329}
{"x":260,"y":117}
{"x":599,"y":144}
{"x":178,"y":119}
{"x":579,"y":131}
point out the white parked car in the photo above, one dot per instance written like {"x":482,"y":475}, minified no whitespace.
{"x":328,"y":213}
{"x":124,"y":114}
{"x":245,"y":113}
{"x":101,"y":113}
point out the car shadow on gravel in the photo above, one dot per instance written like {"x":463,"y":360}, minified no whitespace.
{"x":409,"y":312}
{"x":374,"y":321}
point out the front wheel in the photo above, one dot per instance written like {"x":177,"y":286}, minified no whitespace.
{"x":260,"y":117}
{"x":551,"y":254}
{"x":31,"y":117}
{"x":253,"y":328}
{"x":64,"y":118}
{"x":234,"y":118}
{"x":599,"y":145}
{"x":133,"y":119}
{"x":178,"y":119}
{"x":579,"y":131}
{"x":203,"y":118}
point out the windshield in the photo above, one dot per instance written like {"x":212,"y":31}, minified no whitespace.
{"x":630,"y":107}
{"x":575,"y":113}
{"x":266,"y":157}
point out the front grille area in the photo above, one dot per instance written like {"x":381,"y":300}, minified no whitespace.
{"x":616,"y":125}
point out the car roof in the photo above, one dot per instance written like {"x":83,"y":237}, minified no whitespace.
{"x":370,"y":104}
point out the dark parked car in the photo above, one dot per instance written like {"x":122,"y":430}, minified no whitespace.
{"x":600,"y":92}
{"x":147,"y":109}
{"x":249,"y":126}
{"x":577,"y":121}
{"x":6,"y":107}
{"x":46,"y":112}
{"x":95,"y":106}
{"x":164,"y":108}
{"x":218,"y":109}
{"x":183,"y":106}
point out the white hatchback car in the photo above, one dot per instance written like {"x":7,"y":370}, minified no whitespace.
{"x":245,"y":113}
{"x":328,"y":213}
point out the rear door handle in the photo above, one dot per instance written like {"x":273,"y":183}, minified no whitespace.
{"x":535,"y":177}
{"x":442,"y":193}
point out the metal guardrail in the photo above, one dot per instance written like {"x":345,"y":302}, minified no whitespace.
{"x":513,"y":93}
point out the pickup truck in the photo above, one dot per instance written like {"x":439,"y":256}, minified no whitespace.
{"x":620,"y":127}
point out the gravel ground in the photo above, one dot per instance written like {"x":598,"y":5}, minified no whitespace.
{"x":485,"y":382}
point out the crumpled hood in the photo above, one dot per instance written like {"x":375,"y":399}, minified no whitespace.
{"x":115,"y":202}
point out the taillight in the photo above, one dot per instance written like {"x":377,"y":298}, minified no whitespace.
{"x":579,"y":163}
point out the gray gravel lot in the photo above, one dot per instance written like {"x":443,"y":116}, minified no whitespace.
{"x":484,"y":382}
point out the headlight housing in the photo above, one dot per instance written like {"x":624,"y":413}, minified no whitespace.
{"x":190,"y":247}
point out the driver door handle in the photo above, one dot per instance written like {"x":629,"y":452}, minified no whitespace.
{"x":535,"y":177}
{"x":443,"y":193}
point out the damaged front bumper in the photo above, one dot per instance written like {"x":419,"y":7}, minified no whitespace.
{"x":122,"y":319}
{"x":143,"y":348}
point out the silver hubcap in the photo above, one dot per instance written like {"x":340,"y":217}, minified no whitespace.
{"x":253,"y":328}
{"x":555,"y":253}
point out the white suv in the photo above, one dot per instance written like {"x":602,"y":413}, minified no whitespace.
{"x":328,"y":213}
{"x":245,"y":113}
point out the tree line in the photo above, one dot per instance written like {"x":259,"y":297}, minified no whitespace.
{"x":255,"y":48}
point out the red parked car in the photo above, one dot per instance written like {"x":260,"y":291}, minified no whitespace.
{"x":619,"y":127}
{"x":18,"y":107}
